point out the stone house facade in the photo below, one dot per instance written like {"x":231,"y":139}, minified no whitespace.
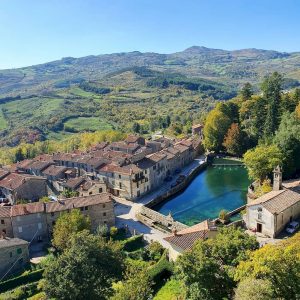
{"x":34,"y":221}
{"x":270,"y":213}
{"x":14,"y":255}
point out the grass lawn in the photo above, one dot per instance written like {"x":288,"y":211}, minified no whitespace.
{"x":172,"y":290}
{"x":87,"y":124}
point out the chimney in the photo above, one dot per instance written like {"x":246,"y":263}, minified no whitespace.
{"x":277,"y":179}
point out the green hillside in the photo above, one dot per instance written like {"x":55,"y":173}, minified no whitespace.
{"x":122,"y":90}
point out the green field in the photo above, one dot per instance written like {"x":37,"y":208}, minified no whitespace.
{"x":86,"y":124}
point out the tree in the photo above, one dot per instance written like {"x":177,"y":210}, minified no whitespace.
{"x":85,"y":270}
{"x":207,"y":270}
{"x":287,"y":138}
{"x":69,"y":193}
{"x":67,"y":225}
{"x":246,"y":91}
{"x":261,"y":161}
{"x":234,"y":140}
{"x":136,"y":286}
{"x":136,"y":127}
{"x":254,"y":289}
{"x":271,"y":88}
{"x":297,"y":111}
{"x":216,"y":126}
{"x":279,"y":264}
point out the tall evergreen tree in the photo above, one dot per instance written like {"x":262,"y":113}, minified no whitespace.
{"x":271,"y":88}
{"x":246,"y":91}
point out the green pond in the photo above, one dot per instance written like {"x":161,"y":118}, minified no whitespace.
{"x":214,"y":189}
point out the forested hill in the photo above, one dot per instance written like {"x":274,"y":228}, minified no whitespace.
{"x":140,"y":92}
{"x":233,"y":67}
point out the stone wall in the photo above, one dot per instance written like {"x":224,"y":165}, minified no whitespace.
{"x":152,"y":217}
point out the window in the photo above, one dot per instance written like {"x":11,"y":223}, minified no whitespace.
{"x":120,"y":176}
{"x":40,"y":226}
{"x":137,"y":184}
{"x":52,"y":214}
{"x":2,"y":221}
{"x":120,"y":185}
{"x":154,"y":167}
{"x":20,"y":229}
{"x":21,"y":261}
{"x":104,"y":222}
{"x":53,"y":223}
{"x":145,"y":171}
{"x":10,"y":254}
{"x":19,"y":250}
{"x":100,"y":190}
{"x":90,"y":193}
{"x":86,"y":208}
{"x":104,"y":214}
{"x":138,"y":193}
{"x":81,"y":208}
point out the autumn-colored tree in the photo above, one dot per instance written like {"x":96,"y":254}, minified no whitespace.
{"x":261,"y":161}
{"x":216,"y":126}
{"x":67,"y":225}
{"x":279,"y":264}
{"x":234,"y":140}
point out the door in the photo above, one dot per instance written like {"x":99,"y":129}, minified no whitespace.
{"x":259,"y":227}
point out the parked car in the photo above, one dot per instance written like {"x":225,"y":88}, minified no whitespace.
{"x":292,"y":227}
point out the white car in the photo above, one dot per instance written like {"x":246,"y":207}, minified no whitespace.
{"x":292,"y":227}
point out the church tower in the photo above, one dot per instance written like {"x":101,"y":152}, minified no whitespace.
{"x":277,"y":179}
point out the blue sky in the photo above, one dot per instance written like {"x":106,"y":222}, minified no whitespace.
{"x":37,"y":31}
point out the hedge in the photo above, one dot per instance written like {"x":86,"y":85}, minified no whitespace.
{"x":163,"y":269}
{"x":21,"y":280}
{"x":134,"y":243}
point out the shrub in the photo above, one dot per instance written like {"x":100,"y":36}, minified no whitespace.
{"x":113,"y":231}
{"x":223,"y":215}
{"x":134,"y":243}
{"x":21,"y":280}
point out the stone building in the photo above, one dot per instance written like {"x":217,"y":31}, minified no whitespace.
{"x":34,"y":221}
{"x":14,"y":255}
{"x":5,"y":221}
{"x":270,"y":213}
{"x":15,"y":186}
{"x":184,"y":239}
{"x":98,"y":207}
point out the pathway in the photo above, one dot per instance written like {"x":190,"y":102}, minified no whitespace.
{"x":126,"y":210}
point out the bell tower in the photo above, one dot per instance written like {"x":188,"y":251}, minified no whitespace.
{"x":277,"y":179}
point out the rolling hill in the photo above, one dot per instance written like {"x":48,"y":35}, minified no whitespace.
{"x":116,"y":90}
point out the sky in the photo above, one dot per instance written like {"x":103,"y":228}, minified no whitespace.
{"x":38,"y":31}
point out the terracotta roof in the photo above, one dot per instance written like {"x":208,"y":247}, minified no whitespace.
{"x":158,"y":156}
{"x":24,"y":163}
{"x":125,"y":146}
{"x":5,"y":211}
{"x":54,"y":170}
{"x":186,"y":238}
{"x":132,"y":138}
{"x":73,"y":183}
{"x":27,"y":209}
{"x":126,"y":170}
{"x":277,"y":201}
{"x":186,"y":241}
{"x":180,"y":147}
{"x":187,"y":143}
{"x":39,"y":165}
{"x":10,"y":242}
{"x":196,"y":126}
{"x":77,"y":202}
{"x":3,"y":173}
{"x":14,"y":180}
